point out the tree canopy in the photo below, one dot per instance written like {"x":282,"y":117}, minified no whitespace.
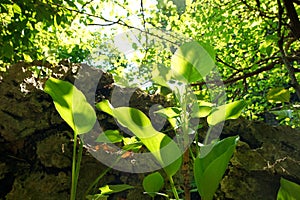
{"x":256,"y":41}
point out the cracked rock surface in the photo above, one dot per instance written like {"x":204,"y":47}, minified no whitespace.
{"x":36,"y":144}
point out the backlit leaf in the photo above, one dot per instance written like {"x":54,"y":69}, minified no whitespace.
{"x":110,"y":136}
{"x":278,"y":95}
{"x":109,"y":189}
{"x":163,"y":148}
{"x":192,"y":62}
{"x":228,"y":111}
{"x":71,"y":104}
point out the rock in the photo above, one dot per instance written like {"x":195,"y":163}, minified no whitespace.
{"x":36,"y":144}
{"x":37,"y":186}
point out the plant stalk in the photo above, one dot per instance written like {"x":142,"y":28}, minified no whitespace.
{"x":73,"y":184}
{"x":186,"y":156}
{"x":96,"y":181}
{"x":78,"y":162}
{"x":173,"y":188}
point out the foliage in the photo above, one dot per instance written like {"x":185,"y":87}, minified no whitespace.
{"x":256,"y":46}
{"x":280,"y":95}
{"x":109,"y":189}
{"x":247,"y":35}
{"x":40,"y":30}
{"x":287,"y":113}
{"x":153,"y":183}
{"x":210,"y":167}
{"x":228,"y":111}
{"x":74,"y":109}
{"x":210,"y":164}
{"x":72,"y":106}
{"x":288,"y":190}
{"x":163,"y":148}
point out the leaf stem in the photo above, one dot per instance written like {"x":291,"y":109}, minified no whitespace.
{"x":173,"y":188}
{"x":101,"y":176}
{"x":77,"y":169}
{"x":96,"y":180}
{"x":207,"y":135}
{"x":74,"y":182}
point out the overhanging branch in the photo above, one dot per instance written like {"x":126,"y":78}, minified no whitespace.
{"x":243,"y":77}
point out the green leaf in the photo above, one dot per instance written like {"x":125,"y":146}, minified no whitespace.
{"x":161,"y":75}
{"x":8,"y":49}
{"x":17,"y":8}
{"x":210,"y":168}
{"x":228,"y":111}
{"x":131,"y":144}
{"x":27,"y":57}
{"x":172,"y":114}
{"x":278,"y":95}
{"x":110,"y":136}
{"x":133,"y":147}
{"x":109,"y":189}
{"x":180,"y":5}
{"x":71,"y":104}
{"x":153,"y":183}
{"x":169,"y":112}
{"x":192,"y":62}
{"x":288,"y":190}
{"x":281,"y":114}
{"x":203,"y":110}
{"x":163,"y":148}
{"x":131,"y":140}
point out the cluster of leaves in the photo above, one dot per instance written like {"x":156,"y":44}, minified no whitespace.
{"x":40,"y":30}
{"x":190,"y":63}
{"x":245,"y":36}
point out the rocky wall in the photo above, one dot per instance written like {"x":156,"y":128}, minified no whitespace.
{"x":36,"y":144}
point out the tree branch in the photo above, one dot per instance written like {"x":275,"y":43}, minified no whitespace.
{"x":293,"y":16}
{"x":230,"y":66}
{"x":257,"y":9}
{"x":247,"y":75}
{"x":289,"y":67}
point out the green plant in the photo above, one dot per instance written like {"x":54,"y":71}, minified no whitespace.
{"x":153,"y":183}
{"x":191,"y":62}
{"x":72,"y":106}
{"x":286,"y":112}
{"x":210,"y":161}
{"x":163,"y":148}
{"x":288,"y":190}
{"x":108,"y":189}
{"x":210,"y":167}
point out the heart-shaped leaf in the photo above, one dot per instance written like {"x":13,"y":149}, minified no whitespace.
{"x":210,"y":168}
{"x":71,"y":104}
{"x":163,"y":148}
{"x":153,"y":183}
{"x":192,"y":62}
